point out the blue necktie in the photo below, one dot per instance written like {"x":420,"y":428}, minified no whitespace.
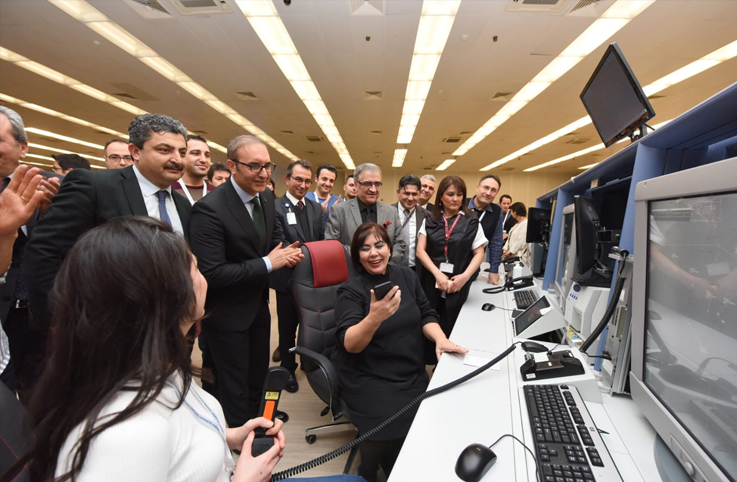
{"x":163,"y":214}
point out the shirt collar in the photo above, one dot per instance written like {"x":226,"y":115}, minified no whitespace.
{"x":293,"y":199}
{"x":472,"y":205}
{"x":147,"y":187}
{"x":245,"y":197}
{"x":362,"y":206}
{"x":401,"y":208}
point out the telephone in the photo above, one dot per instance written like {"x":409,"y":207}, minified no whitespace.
{"x":518,"y":283}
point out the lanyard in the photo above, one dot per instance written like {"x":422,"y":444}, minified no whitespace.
{"x":448,"y":232}
{"x":406,"y":220}
{"x":189,"y":196}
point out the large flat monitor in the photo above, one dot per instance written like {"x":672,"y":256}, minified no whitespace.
{"x":684,"y":316}
{"x":614,"y":98}
{"x":538,"y":225}
{"x":565,"y":261}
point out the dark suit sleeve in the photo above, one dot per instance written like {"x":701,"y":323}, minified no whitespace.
{"x":322,"y":226}
{"x":400,"y":245}
{"x":277,"y":236}
{"x":207,"y":239}
{"x":71,"y":214}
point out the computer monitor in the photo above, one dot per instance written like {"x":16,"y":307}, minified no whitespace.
{"x":684,"y":316}
{"x":528,"y":317}
{"x":587,"y":225}
{"x":614,"y":99}
{"x":565,"y":262}
{"x":538,"y":225}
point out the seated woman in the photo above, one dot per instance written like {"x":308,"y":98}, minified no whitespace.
{"x":379,"y":355}
{"x":516,"y":244}
{"x":116,"y":400}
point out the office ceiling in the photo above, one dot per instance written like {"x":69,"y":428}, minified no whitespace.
{"x":490,"y":50}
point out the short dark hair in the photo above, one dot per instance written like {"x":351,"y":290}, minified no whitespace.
{"x":328,"y":167}
{"x":518,"y":208}
{"x":505,"y":196}
{"x":218,"y":166}
{"x":410,"y":180}
{"x":143,"y":126}
{"x":359,"y":237}
{"x":113,"y":141}
{"x":195,"y":137}
{"x":350,"y":176}
{"x":445,"y":184}
{"x":72,"y":161}
{"x":298,"y":162}
{"x":491,"y":176}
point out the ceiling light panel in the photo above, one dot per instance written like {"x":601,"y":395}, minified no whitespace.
{"x":267,"y":24}
{"x":615,"y":17}
{"x":445,"y":165}
{"x":97,"y":21}
{"x":63,"y":151}
{"x":399,"y":155}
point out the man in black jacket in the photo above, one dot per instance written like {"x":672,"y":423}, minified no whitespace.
{"x":238,"y":241}
{"x":302,"y":221}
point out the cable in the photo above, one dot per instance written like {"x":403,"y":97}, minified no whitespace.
{"x":359,"y":440}
{"x":537,"y":467}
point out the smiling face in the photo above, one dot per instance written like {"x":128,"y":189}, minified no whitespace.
{"x":368,"y":191}
{"x":428,"y":189}
{"x":219,"y":177}
{"x":325,"y":181}
{"x":117,"y":155}
{"x":505,"y":203}
{"x":298,"y":184}
{"x":350,"y":188}
{"x":255,"y":154}
{"x":197,"y":159}
{"x":11,"y":152}
{"x":161,"y":160}
{"x":486,"y":191}
{"x":374,"y":255}
{"x":408,"y":196}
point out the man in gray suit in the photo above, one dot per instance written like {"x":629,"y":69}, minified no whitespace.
{"x":347,"y":216}
{"x":411,"y":215}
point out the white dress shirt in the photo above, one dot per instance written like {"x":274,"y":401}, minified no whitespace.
{"x":412,"y":223}
{"x":246,"y":198}
{"x":151,"y":199}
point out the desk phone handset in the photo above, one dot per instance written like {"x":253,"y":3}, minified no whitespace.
{"x":518,"y":283}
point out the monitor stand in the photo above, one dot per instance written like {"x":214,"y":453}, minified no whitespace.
{"x":594,"y":279}
{"x":669,"y":468}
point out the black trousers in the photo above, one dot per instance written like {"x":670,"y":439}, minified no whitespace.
{"x":241,"y":359}
{"x":27,"y":351}
{"x":378,"y":452}
{"x":288,"y":314}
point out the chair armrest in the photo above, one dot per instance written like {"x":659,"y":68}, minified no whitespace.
{"x":330,"y":374}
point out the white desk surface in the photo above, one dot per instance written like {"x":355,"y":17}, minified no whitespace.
{"x":489,"y":406}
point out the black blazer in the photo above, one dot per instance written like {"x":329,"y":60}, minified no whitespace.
{"x":510,"y":222}
{"x":279,"y":279}
{"x":229,"y":252}
{"x":86,"y":199}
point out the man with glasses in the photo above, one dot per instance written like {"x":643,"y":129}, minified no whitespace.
{"x":302,"y":221}
{"x":345,"y":217}
{"x":238,"y":241}
{"x":490,"y":218}
{"x":117,"y":154}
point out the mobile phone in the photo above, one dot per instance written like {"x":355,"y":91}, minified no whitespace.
{"x":382,"y":289}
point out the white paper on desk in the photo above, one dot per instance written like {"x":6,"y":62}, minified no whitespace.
{"x":541,"y":357}
{"x":478,"y":359}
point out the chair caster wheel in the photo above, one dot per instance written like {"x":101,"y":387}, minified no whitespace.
{"x":311,"y":439}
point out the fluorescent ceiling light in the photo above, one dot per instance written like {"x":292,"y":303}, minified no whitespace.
{"x":97,"y":21}
{"x":36,"y":156}
{"x":399,"y":155}
{"x":616,"y":17}
{"x":716,"y":57}
{"x":267,"y":24}
{"x":446,"y":163}
{"x":44,"y":133}
{"x":62,"y":151}
{"x":589,"y":166}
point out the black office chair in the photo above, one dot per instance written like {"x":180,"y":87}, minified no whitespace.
{"x":315,"y":284}
{"x":15,"y":434}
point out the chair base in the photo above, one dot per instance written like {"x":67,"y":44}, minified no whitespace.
{"x":329,"y":428}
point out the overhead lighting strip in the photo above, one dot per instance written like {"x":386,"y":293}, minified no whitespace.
{"x":716,"y":57}
{"x":268,"y":25}
{"x":610,"y":22}
{"x":445,"y":165}
{"x":399,"y":155}
{"x":63,"y":151}
{"x":97,"y":21}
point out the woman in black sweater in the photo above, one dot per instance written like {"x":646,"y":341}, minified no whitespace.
{"x":379,"y":356}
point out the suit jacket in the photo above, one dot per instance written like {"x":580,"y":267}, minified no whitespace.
{"x":228,"y":249}
{"x":420,"y":215}
{"x":279,"y":279}
{"x":509,"y":223}
{"x":345,"y":218}
{"x":86,"y":199}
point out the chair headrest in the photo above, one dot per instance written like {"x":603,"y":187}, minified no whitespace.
{"x":329,"y":265}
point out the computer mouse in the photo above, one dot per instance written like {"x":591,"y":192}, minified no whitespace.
{"x":474,"y":462}
{"x":533,"y":347}
{"x":488,"y":307}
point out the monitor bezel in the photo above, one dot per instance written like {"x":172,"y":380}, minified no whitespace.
{"x":715,"y":178}
{"x":614,"y":49}
{"x":541,"y":238}
{"x":543,"y":300}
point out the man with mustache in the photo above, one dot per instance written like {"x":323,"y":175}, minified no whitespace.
{"x":87,"y":199}
{"x":193,"y":185}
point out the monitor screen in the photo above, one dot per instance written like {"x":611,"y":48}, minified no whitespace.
{"x":538,"y":225}
{"x":614,"y":99}
{"x":587,"y":225}
{"x":533,"y":313}
{"x":690,"y":344}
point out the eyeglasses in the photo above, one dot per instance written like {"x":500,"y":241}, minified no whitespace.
{"x":368,"y":184}
{"x":117,"y":158}
{"x":257,"y":168}
{"x":299,"y":180}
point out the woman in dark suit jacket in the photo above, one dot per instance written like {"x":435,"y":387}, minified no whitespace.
{"x":379,"y":355}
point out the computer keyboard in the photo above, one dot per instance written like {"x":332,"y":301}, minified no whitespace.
{"x":525,"y":298}
{"x":568,"y":446}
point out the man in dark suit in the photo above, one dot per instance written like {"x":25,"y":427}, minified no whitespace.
{"x":87,"y":199}
{"x":238,"y":240}
{"x":505,"y":202}
{"x":490,"y":218}
{"x":302,"y":221}
{"x":411,"y":215}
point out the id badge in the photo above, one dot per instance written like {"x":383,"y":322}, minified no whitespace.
{"x":291,"y":219}
{"x":446,"y":268}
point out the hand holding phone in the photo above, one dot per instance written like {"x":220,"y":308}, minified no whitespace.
{"x":382,"y":289}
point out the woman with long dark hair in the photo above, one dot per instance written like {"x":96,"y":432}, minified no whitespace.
{"x":116,"y":401}
{"x":450,"y":246}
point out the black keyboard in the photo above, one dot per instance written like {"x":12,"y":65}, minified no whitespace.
{"x":525,"y":298}
{"x":568,"y":446}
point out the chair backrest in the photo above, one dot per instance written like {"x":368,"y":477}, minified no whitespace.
{"x":315,"y":285}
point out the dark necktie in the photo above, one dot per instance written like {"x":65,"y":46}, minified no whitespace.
{"x":301,"y":205}
{"x":258,"y":218}
{"x":163,"y":214}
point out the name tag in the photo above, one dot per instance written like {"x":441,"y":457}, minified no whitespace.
{"x":291,"y":219}
{"x":446,"y":268}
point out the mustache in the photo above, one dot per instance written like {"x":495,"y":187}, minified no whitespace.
{"x":174,"y":165}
